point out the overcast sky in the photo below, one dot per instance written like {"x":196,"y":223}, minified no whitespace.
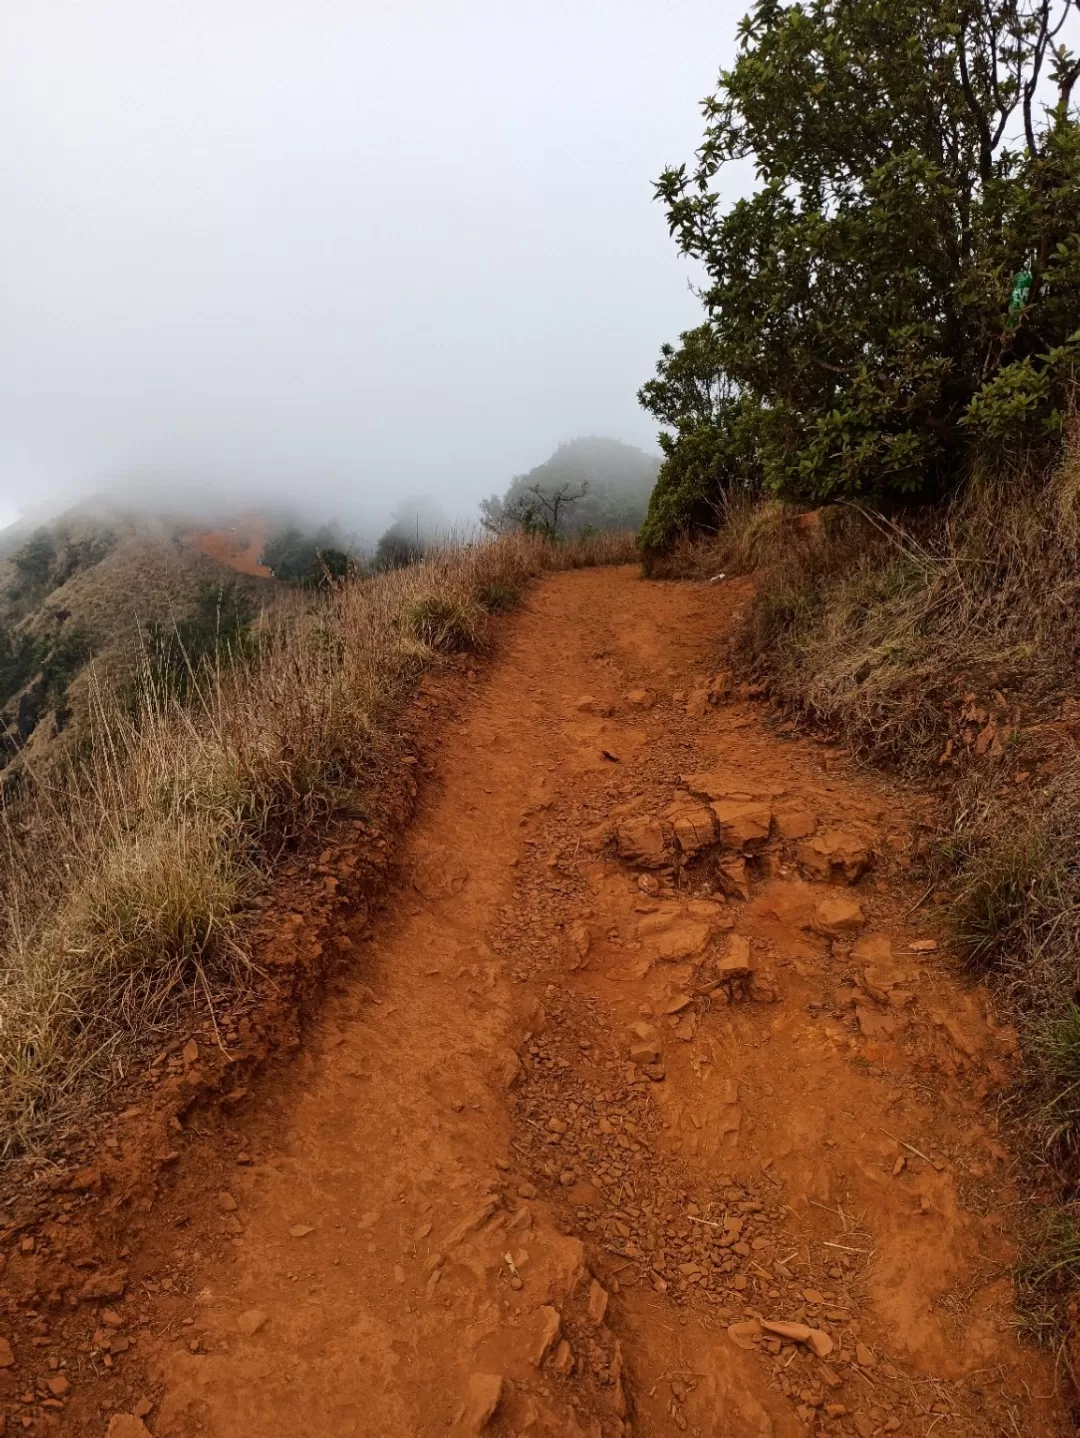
{"x":335,"y":250}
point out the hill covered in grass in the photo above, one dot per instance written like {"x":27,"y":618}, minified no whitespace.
{"x":108,"y":585}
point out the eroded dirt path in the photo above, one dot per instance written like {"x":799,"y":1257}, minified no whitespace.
{"x":654,"y":1048}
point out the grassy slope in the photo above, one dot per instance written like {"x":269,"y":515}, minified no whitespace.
{"x":104,"y":582}
{"x":127,"y":882}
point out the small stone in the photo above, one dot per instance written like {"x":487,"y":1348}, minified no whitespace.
{"x":126,"y":1425}
{"x":865,"y":1426}
{"x":675,"y":1004}
{"x":301,"y":1230}
{"x":641,"y":842}
{"x":563,"y":1361}
{"x":837,"y":915}
{"x":7,"y":1357}
{"x":143,"y":1408}
{"x":863,"y":1357}
{"x":226,"y":1202}
{"x":794,"y":823}
{"x":812,"y":1295}
{"x":250,"y":1322}
{"x":190,"y":1053}
{"x":734,"y":882}
{"x":644,"y":1054}
{"x":111,"y":1318}
{"x":59,"y":1386}
{"x":829,"y":1376}
{"x":597,"y":1303}
{"x":485,"y":1395}
{"x":550,"y":1324}
{"x":819,"y":1343}
{"x":835,"y":854}
{"x":399,"y":1273}
{"x":527,"y":1190}
{"x":743,"y":826}
{"x":110,"y":1284}
{"x":744,"y":1334}
{"x":922,"y":946}
{"x":736,"y":961}
{"x":793,"y":1332}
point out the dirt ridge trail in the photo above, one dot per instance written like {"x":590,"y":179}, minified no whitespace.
{"x":649,"y":1053}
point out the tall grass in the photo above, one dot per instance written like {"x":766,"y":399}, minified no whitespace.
{"x":878,"y":626}
{"x":128,"y":873}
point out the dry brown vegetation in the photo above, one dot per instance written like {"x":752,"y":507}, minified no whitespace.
{"x":127,"y":878}
{"x":946,"y":646}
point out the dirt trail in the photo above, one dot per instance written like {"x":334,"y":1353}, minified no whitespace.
{"x":582,"y":1120}
{"x":240,"y":547}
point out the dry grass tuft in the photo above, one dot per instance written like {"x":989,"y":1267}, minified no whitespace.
{"x":127,"y":878}
{"x":878,"y":628}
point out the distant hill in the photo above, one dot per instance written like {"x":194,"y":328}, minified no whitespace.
{"x":618,"y":481}
{"x":99,"y":582}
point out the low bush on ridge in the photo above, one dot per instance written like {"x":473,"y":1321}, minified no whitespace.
{"x":126,"y":877}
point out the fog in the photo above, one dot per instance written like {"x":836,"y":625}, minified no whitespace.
{"x":332,"y":254}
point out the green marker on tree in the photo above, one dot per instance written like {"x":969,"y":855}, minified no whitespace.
{"x":1019,"y":297}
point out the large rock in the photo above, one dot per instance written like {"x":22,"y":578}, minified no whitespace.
{"x":835,"y":854}
{"x":640,"y":841}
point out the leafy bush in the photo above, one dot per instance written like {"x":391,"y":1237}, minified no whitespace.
{"x":34,"y":561}
{"x":310,"y":561}
{"x":901,"y":290}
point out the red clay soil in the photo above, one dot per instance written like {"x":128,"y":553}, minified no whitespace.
{"x":649,"y":1106}
{"x":240,"y":547}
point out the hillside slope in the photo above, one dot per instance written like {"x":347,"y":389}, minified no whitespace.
{"x":98,"y":583}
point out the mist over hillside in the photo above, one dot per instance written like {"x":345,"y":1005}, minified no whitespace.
{"x":605,"y":484}
{"x":118,"y":588}
{"x":136,"y":576}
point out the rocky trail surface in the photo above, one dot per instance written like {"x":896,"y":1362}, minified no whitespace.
{"x":650,"y":1106}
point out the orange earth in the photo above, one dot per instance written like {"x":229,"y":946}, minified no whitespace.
{"x":649,"y":1106}
{"x":240,"y":547}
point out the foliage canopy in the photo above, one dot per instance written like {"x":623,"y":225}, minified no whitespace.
{"x":865,"y":330}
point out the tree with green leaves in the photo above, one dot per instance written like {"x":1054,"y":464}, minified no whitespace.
{"x":866,"y":330}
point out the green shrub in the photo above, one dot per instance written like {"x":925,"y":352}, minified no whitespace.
{"x":499,"y":598}
{"x":884,"y":307}
{"x":443,"y":623}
